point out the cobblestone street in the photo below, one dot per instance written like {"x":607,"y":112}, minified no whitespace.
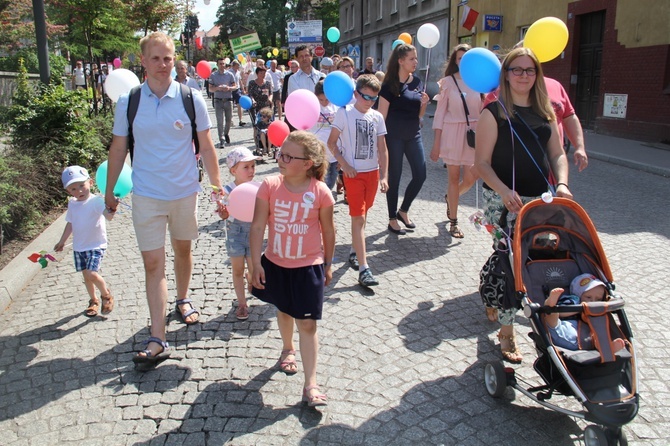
{"x":401,"y":365}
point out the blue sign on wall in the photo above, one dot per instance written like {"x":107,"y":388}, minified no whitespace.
{"x":493,"y":22}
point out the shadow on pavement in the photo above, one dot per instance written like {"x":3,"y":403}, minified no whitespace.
{"x":454,"y":410}
{"x":29,"y":386}
{"x":227,"y":409}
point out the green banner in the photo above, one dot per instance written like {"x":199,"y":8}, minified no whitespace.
{"x":245,"y":42}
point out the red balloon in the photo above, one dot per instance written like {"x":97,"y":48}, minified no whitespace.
{"x":277,"y":132}
{"x":203,"y":69}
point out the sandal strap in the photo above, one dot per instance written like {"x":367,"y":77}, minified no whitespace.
{"x":319,"y":395}
{"x":189,"y":312}
{"x":158,"y":341}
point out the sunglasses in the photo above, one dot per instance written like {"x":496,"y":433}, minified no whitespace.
{"x":286,"y":158}
{"x":367,"y":97}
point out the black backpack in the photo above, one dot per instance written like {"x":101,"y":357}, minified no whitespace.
{"x":134,"y":102}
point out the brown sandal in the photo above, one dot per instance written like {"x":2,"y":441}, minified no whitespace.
{"x":92,"y":310}
{"x":107,"y":303}
{"x":492,"y":314}
{"x":454,"y":230}
{"x":510,"y":352}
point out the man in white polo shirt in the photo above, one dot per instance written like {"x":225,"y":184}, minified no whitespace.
{"x":277,"y":78}
{"x":307,"y":76}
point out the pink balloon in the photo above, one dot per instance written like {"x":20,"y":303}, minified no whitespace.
{"x":302,"y":109}
{"x":242,"y":200}
{"x":117,"y":62}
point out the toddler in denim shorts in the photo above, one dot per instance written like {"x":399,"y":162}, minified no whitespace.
{"x":242,"y":165}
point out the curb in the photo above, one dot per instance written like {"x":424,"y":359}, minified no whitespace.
{"x":629,"y":163}
{"x":20,"y":271}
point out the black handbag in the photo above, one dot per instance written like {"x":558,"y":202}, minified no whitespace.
{"x":496,"y":278}
{"x":496,"y":282}
{"x":469,"y":134}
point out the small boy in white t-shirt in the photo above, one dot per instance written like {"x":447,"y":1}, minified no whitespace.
{"x":364,"y":161}
{"x":322,"y":131}
{"x":85,"y":217}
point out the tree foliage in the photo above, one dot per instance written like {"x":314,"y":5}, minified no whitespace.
{"x":269,"y":17}
{"x":153,"y":15}
{"x":18,"y":27}
{"x":94,"y":27}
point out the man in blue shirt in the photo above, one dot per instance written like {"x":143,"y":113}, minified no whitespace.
{"x":165,"y":184}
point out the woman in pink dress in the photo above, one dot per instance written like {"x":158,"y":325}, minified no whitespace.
{"x":450,"y":126}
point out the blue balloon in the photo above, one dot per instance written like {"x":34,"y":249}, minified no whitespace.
{"x":396,"y":43}
{"x":339,"y":88}
{"x":245,"y":102}
{"x":480,"y":70}
{"x":123,"y":185}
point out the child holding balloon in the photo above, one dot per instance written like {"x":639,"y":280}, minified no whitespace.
{"x":242,"y":165}
{"x":85,"y":218}
{"x":364,"y":161}
{"x":297,"y":208}
{"x":322,"y":131}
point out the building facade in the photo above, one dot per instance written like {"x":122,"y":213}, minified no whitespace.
{"x":616,"y":66}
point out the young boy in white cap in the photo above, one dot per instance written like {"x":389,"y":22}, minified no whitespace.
{"x":583,"y":288}
{"x":242,"y":165}
{"x":85,"y":218}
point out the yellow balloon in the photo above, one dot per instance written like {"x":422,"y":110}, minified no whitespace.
{"x":240,"y":57}
{"x":275,"y":51}
{"x":405,"y":37}
{"x":547,"y":37}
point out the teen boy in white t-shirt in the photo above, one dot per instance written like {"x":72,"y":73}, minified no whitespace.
{"x":364,"y":161}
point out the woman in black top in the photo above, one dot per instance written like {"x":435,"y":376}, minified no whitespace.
{"x":403,"y":102}
{"x":511,"y":177}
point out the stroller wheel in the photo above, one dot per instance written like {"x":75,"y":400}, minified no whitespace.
{"x":495,"y":379}
{"x":616,"y":436}
{"x":595,"y":436}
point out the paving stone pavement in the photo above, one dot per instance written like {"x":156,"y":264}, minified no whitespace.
{"x":401,"y":364}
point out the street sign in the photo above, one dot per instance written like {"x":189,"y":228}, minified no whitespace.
{"x":244,"y":42}
{"x":304,"y":31}
{"x":319,"y":51}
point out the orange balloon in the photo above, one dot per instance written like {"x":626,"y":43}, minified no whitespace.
{"x":405,"y":37}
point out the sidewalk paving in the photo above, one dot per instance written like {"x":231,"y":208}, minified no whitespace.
{"x":401,"y":364}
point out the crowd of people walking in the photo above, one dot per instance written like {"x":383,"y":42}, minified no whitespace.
{"x":517,"y":151}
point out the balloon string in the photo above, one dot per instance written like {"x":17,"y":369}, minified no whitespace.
{"x":425,"y":84}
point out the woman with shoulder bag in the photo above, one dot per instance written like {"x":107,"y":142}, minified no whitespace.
{"x":518,"y":153}
{"x":454,"y":124}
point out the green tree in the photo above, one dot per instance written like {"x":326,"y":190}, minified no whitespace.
{"x":152,"y":15}
{"x":329,"y":13}
{"x":95,"y":26}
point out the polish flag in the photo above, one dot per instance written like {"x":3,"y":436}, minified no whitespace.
{"x":469,"y":18}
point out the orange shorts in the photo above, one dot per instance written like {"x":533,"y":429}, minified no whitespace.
{"x":361,"y":191}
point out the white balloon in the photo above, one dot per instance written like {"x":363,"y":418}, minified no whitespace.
{"x":428,"y":35}
{"x":120,"y":82}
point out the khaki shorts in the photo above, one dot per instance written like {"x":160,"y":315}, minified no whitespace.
{"x":150,"y":217}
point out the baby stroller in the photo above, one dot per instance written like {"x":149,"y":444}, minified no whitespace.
{"x":553,"y":243}
{"x":260,"y":129}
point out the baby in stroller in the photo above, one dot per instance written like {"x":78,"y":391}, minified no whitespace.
{"x":564,"y":333}
{"x":263,"y":120}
